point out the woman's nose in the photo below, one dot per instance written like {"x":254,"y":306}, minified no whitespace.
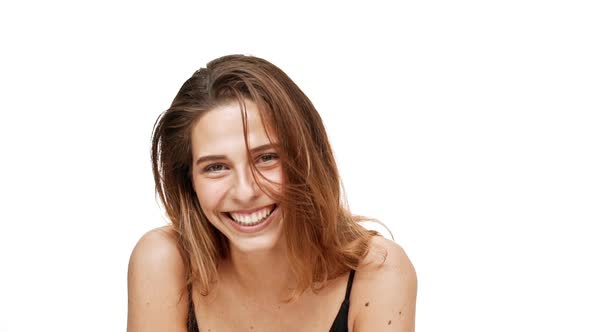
{"x":245,"y":187}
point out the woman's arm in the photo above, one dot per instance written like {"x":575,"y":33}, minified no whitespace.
{"x":155,"y":284}
{"x":386,"y":292}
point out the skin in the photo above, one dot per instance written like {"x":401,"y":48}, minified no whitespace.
{"x":383,"y":296}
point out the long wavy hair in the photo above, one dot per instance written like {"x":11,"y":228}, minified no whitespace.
{"x":323,"y":238}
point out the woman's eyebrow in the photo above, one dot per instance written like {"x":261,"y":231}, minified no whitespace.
{"x":209,"y":158}
{"x":257,"y":149}
{"x":263,"y":147}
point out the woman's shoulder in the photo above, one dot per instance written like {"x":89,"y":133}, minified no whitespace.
{"x":156,"y":247}
{"x":156,"y":281}
{"x":160,"y":236}
{"x":157,"y":254}
{"x":383,"y":255}
{"x":385,"y":286}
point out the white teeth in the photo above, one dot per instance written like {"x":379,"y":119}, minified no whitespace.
{"x":253,"y":218}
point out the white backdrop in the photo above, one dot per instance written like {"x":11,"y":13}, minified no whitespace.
{"x":463,"y":125}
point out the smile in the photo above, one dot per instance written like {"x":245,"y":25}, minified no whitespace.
{"x":251,"y":218}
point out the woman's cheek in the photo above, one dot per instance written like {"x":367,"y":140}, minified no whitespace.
{"x":276,"y":178}
{"x":209,"y":193}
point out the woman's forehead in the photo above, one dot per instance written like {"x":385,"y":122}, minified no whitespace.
{"x":221,"y":129}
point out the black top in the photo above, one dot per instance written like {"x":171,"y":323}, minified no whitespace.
{"x":340,"y":322}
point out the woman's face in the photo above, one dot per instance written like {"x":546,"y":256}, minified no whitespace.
{"x":224,"y":182}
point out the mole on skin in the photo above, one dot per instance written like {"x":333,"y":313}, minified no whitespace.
{"x":367,"y":304}
{"x":389,"y":323}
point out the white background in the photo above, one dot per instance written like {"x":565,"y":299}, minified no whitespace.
{"x":463,"y":125}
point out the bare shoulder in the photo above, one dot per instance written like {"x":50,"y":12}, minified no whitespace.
{"x":156,"y":244}
{"x":386,"y":256}
{"x":155,"y":283}
{"x":384,"y":291}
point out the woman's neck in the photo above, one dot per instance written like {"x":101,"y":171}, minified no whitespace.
{"x":263,"y":275}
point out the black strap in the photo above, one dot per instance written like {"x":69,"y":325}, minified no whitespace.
{"x":349,"y":286}
{"x":191,"y":325}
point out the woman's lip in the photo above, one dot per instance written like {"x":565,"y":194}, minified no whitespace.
{"x":251,"y":210}
{"x":247,"y":229}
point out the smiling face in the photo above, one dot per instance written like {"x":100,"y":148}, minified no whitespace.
{"x":224,"y":181}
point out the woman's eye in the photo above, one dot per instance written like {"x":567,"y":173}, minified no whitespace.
{"x":268,"y":157}
{"x":214,"y":168}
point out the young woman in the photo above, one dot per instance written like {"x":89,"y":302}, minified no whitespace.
{"x":261,"y":238}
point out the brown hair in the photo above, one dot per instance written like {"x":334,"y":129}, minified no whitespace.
{"x":323,"y":238}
